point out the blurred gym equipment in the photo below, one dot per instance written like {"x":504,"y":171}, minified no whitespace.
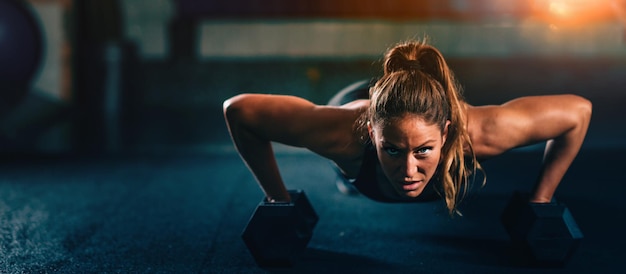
{"x":21,"y":47}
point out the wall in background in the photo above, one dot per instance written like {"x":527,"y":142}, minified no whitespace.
{"x":349,"y":38}
{"x":176,"y":102}
{"x":146,"y":23}
{"x":460,"y":28}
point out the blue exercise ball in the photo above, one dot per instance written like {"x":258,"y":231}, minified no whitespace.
{"x":20,"y":48}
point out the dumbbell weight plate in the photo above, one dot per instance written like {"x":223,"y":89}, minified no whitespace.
{"x":547,"y":232}
{"x":278,"y":233}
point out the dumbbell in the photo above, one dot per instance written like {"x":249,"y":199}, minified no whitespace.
{"x":278,"y":233}
{"x":546,"y":233}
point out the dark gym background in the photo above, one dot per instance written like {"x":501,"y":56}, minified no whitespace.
{"x":115,"y":156}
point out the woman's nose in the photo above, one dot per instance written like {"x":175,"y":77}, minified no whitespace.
{"x":411,"y":166}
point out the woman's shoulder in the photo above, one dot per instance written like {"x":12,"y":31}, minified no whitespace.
{"x":495,"y":129}
{"x":352,"y":141}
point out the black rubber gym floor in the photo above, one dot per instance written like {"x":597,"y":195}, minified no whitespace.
{"x":185,"y":214}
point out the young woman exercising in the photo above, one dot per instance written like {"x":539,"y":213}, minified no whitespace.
{"x":415,"y":138}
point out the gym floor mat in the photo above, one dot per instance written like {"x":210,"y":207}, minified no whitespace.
{"x":185,"y":214}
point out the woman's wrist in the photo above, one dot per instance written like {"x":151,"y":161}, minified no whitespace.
{"x":541,"y":199}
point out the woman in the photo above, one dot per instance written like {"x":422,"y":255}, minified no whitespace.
{"x":415,"y":138}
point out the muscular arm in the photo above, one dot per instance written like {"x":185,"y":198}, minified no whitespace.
{"x":560,"y":120}
{"x":255,"y":120}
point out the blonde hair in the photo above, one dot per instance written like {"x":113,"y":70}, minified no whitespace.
{"x":417,"y":80}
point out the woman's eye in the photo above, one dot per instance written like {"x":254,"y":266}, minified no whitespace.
{"x":424,"y":150}
{"x":392,"y":151}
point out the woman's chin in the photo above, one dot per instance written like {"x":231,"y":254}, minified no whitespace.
{"x":414,"y":193}
{"x":410,"y":194}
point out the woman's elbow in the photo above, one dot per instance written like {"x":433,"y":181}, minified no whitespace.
{"x":584,"y":108}
{"x":233,"y":107}
{"x":580,"y":112}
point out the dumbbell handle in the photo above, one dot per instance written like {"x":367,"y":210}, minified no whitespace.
{"x":273,"y":201}
{"x":294,"y":194}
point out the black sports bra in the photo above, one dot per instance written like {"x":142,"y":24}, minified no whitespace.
{"x":367,"y":182}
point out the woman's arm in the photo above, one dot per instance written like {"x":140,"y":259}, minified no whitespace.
{"x":255,"y":120}
{"x":561,"y":120}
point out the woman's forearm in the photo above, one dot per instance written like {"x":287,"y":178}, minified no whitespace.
{"x":559,"y":154}
{"x":257,"y":153}
{"x":557,"y":159}
{"x":259,"y":157}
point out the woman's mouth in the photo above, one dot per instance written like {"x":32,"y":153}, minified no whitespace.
{"x":411,"y":186}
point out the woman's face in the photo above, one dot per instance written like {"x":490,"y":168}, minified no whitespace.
{"x":409,"y":150}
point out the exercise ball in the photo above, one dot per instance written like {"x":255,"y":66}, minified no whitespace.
{"x":20,"y":50}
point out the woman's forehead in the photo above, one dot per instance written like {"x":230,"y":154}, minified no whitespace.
{"x":407,"y":127}
{"x":407,"y":120}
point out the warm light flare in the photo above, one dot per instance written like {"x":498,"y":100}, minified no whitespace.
{"x":559,"y":8}
{"x":619,"y":8}
{"x":574,"y":12}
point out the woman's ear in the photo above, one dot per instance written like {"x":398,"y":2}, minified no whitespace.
{"x":444,"y":134}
